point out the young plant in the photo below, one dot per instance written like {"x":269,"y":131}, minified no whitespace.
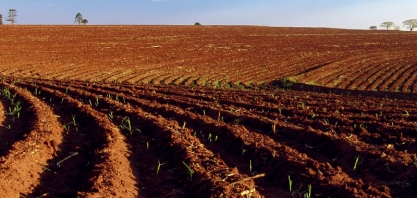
{"x":308,"y":194}
{"x":111,"y":116}
{"x":313,"y":116}
{"x":159,"y":167}
{"x":126,"y":125}
{"x":250,"y":165}
{"x":67,"y":126}
{"x":356,"y":163}
{"x":73,"y":120}
{"x":290,"y":183}
{"x":190,"y":170}
{"x":243,"y":152}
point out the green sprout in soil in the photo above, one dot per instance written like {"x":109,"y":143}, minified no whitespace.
{"x":308,"y":194}
{"x":73,"y":120}
{"x":159,"y":167}
{"x":190,"y":170}
{"x":356,"y":163}
{"x":290,"y":183}
{"x":243,"y":152}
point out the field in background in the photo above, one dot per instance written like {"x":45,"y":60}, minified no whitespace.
{"x":212,"y":55}
{"x":207,"y":111}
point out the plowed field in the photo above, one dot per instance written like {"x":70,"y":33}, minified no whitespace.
{"x":136,"y":111}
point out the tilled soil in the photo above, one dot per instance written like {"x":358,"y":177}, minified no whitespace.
{"x":120,"y":140}
{"x":215,"y":56}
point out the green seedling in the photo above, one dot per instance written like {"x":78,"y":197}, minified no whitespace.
{"x":243,"y":152}
{"x":204,"y":112}
{"x":290,"y":183}
{"x":190,"y":170}
{"x":308,"y":194}
{"x":73,"y":120}
{"x":405,"y":112}
{"x":209,"y":137}
{"x":111,"y":116}
{"x":124,"y":100}
{"x":356,"y":163}
{"x":335,"y":124}
{"x":126,"y":124}
{"x":66,"y":90}
{"x":313,"y":116}
{"x":147,"y":145}
{"x":279,"y":109}
{"x":117,"y":98}
{"x":250,"y":165}
{"x":159,"y":167}
{"x":216,"y":138}
{"x":91,"y":104}
{"x":326,"y":121}
{"x":67,"y":126}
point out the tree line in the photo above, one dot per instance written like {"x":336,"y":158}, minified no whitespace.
{"x":13,"y":13}
{"x":409,"y":24}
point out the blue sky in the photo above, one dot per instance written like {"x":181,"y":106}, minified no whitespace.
{"x":352,"y":14}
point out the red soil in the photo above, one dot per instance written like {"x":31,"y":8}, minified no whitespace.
{"x":74,"y":136}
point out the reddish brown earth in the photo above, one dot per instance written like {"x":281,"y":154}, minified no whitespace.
{"x":213,"y":55}
{"x":74,"y":125}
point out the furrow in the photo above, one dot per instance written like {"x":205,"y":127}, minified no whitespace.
{"x":21,"y":168}
{"x":103,"y":169}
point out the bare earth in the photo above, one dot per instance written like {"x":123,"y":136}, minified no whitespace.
{"x":207,"y":111}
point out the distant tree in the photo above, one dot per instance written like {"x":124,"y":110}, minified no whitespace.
{"x":373,"y":27}
{"x":1,"y":19}
{"x":197,"y":23}
{"x":397,"y":27}
{"x":85,"y":21}
{"x":388,"y":24}
{"x":78,"y":18}
{"x":12,"y":15}
{"x":410,"y":24}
